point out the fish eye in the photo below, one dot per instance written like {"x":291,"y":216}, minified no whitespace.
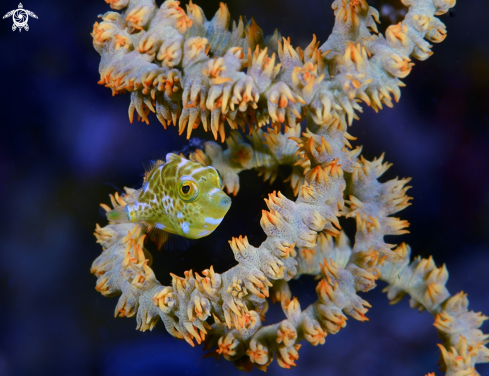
{"x":188,"y":190}
{"x":220,"y":178}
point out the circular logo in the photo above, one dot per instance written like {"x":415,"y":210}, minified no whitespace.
{"x":20,"y":18}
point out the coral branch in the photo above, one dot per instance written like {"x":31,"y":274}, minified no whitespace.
{"x":209,"y":84}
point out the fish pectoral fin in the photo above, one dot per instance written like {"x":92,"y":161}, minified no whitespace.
{"x":118,"y":215}
{"x":166,"y":240}
{"x":157,"y":236}
{"x":176,"y":243}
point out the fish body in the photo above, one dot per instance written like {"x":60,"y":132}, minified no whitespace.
{"x":178,"y":197}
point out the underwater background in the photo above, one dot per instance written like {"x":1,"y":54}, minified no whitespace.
{"x":66,"y":144}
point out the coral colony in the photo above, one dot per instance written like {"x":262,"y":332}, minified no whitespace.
{"x":194,"y":72}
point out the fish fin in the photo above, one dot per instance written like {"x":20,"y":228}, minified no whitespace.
{"x":156,"y":235}
{"x":151,"y":165}
{"x":166,"y":240}
{"x":157,"y":159}
{"x":176,"y":242}
{"x":132,"y":195}
{"x":118,"y":215}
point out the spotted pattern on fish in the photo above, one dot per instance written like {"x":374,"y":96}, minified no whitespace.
{"x":180,"y":197}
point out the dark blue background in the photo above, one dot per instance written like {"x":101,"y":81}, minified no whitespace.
{"x":64,"y":142}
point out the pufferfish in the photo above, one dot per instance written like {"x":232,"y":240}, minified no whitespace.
{"x":177,"y":197}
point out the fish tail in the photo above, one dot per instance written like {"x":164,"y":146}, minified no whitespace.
{"x":119,"y":215}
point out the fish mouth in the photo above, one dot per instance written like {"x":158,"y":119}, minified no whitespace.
{"x":225,"y":202}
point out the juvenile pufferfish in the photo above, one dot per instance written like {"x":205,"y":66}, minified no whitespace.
{"x":179,"y":197}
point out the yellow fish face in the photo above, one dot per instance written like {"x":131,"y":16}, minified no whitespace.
{"x":182,"y":197}
{"x":201,"y":203}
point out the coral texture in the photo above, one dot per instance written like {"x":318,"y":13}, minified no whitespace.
{"x":191,"y":71}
